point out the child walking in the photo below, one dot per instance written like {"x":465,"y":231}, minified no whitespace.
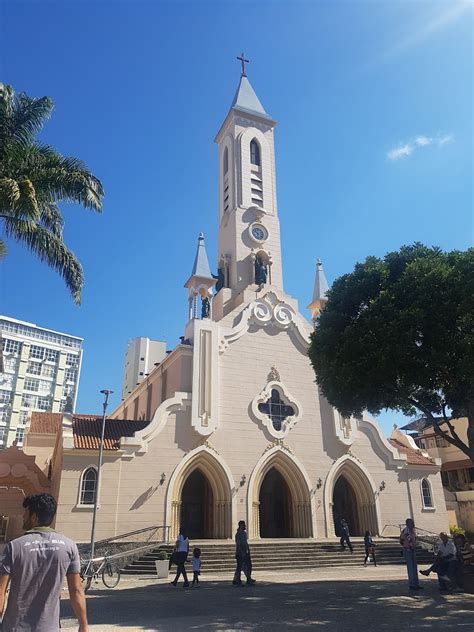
{"x":196,"y":565}
{"x":369,"y":548}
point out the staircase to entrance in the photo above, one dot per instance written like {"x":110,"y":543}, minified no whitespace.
{"x":281,"y":554}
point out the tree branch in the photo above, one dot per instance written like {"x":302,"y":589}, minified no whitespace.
{"x":454,"y":440}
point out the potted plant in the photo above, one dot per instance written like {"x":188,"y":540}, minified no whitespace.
{"x":161,"y":564}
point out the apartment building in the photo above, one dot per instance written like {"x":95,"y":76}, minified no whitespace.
{"x":39,"y":370}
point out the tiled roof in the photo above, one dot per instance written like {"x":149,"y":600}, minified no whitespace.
{"x":462,"y":464}
{"x":87,"y":431}
{"x":414,"y":457}
{"x":45,"y":423}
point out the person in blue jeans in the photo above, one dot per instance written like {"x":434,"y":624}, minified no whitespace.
{"x":408,"y":542}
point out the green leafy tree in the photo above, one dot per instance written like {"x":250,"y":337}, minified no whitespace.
{"x":398,"y":333}
{"x":34,"y":179}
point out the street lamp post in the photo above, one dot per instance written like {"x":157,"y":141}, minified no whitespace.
{"x":99,"y":465}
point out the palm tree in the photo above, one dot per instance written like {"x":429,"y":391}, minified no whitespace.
{"x":34,"y":179}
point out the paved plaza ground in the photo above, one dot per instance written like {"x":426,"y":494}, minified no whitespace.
{"x":336,"y":600}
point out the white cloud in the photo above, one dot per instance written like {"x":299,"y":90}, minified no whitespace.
{"x":399,"y":152}
{"x":423,"y":140}
{"x":407,"y":148}
{"x":442,"y":140}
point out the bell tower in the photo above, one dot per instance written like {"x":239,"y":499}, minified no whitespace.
{"x":249,"y":252}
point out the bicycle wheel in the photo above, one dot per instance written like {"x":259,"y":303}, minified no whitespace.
{"x":111,"y":574}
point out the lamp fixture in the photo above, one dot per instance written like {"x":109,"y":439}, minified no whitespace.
{"x":162,"y":478}
{"x":382,"y":486}
{"x":319,"y":483}
{"x":243,"y":480}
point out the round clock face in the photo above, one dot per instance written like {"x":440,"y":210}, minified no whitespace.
{"x":259,"y":233}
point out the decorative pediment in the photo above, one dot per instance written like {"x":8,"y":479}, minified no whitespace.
{"x":269,"y":310}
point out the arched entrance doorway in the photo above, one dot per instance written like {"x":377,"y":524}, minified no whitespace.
{"x":279,"y":501}
{"x":350,"y":493}
{"x":197,"y":506}
{"x":344,"y":505}
{"x":199,"y":497}
{"x":275,"y":503}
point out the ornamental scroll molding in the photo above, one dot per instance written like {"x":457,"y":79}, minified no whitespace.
{"x":266,"y":312}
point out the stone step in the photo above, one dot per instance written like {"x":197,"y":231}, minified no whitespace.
{"x":281,"y":554}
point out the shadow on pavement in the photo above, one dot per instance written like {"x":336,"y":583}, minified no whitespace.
{"x":332,"y":605}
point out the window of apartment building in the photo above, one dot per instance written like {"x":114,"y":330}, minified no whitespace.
{"x":31,"y":384}
{"x":28,"y":401}
{"x":48,"y":371}
{"x":45,"y":386}
{"x":24,"y":416}
{"x":44,"y":403}
{"x":34,"y":368}
{"x":7,"y":380}
{"x":70,"y":375}
{"x":4,"y":415}
{"x":11,"y":346}
{"x":10,"y":363}
{"x":426,"y":494}
{"x":3,"y":435}
{"x":6,"y":397}
{"x":37,"y":352}
{"x":72,"y":359}
{"x":50,"y":355}
{"x":20,"y":433}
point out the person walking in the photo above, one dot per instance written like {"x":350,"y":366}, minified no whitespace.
{"x":196,"y":565}
{"x":369,"y":545}
{"x":36,"y":565}
{"x":408,"y":542}
{"x":242,"y":556}
{"x":181,"y":555}
{"x":345,"y":536}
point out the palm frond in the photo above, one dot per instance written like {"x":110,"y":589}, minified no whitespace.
{"x":9,"y":193}
{"x":28,"y":117}
{"x":3,"y":249}
{"x":51,"y":250}
{"x":52,"y":219}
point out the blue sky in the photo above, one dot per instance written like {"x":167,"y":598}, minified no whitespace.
{"x":373,"y":146}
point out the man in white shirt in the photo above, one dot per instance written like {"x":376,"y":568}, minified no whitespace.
{"x":446,"y":562}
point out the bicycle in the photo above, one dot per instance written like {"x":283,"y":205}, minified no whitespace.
{"x":105,"y":567}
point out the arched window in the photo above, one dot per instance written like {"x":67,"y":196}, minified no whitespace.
{"x":88,"y":486}
{"x":426,"y":493}
{"x":226,"y":160}
{"x":255,"y":153}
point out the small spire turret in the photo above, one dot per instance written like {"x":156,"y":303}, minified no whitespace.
{"x":320,"y":291}
{"x":201,"y":282}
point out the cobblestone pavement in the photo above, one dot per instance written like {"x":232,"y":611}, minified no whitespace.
{"x":337,"y":600}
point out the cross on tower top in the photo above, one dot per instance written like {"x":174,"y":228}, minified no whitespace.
{"x":243,"y":62}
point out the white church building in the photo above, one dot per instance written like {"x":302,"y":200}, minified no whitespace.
{"x":231,"y":424}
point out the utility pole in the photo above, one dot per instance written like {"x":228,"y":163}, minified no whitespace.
{"x":99,"y":466}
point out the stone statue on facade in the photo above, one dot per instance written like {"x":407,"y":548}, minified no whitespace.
{"x":220,"y":279}
{"x":205,"y":307}
{"x":261,"y":271}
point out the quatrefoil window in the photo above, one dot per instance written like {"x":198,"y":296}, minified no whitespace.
{"x":276,"y":409}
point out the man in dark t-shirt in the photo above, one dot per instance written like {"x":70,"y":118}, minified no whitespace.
{"x":35,"y":565}
{"x":242,"y":556}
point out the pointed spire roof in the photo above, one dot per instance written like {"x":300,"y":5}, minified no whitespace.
{"x":201,"y":262}
{"x":321,"y":286}
{"x":246,"y":100}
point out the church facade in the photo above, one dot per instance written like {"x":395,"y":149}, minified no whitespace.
{"x":231,"y":424}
